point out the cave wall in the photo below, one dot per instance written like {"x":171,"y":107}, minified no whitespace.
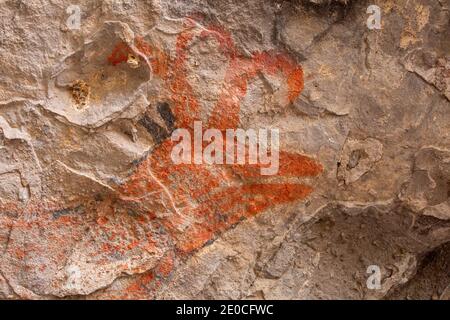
{"x":93,"y":207}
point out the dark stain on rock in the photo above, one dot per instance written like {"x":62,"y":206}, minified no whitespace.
{"x":167,"y":115}
{"x":355,"y":156}
{"x":157,"y":132}
{"x":67,"y":211}
{"x":448,"y":189}
{"x":327,"y":8}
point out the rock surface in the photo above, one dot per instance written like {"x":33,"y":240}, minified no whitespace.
{"x":92,"y":206}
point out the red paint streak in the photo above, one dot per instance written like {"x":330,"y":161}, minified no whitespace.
{"x":119,"y":54}
{"x":166,"y":266}
{"x":291,"y":165}
{"x":158,"y":59}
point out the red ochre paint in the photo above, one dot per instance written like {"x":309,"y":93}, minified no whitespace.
{"x":222,"y":201}
{"x":204,"y":200}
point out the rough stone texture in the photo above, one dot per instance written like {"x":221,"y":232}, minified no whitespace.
{"x":91,"y":206}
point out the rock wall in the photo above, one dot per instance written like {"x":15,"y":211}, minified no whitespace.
{"x":92,"y":205}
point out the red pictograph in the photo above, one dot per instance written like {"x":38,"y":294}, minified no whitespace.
{"x":207,"y":199}
{"x":198,"y":201}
